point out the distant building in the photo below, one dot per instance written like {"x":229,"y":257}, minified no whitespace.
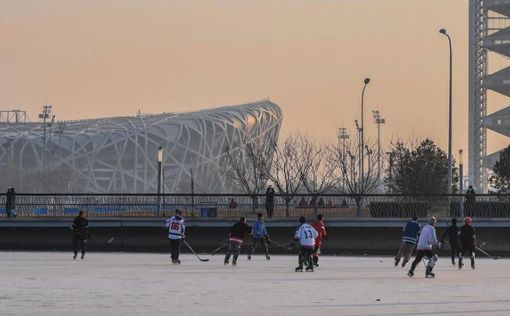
{"x":119,"y":154}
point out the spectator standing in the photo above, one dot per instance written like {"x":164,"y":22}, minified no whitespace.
{"x":270,"y":201}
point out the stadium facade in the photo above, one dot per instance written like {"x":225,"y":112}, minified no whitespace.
{"x":119,"y":154}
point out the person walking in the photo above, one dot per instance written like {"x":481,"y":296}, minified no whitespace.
{"x":452,"y":232}
{"x":427,"y":245}
{"x":235,"y":239}
{"x":305,"y":235}
{"x":81,"y":232}
{"x":10,"y":203}
{"x":270,"y":201}
{"x":411,"y":231}
{"x":260,"y":236}
{"x":319,"y":226}
{"x":467,"y":239}
{"x":176,"y":229}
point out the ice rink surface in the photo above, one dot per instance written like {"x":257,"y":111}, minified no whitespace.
{"x":51,"y":283}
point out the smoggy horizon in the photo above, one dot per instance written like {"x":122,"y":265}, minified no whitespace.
{"x":115,"y":58}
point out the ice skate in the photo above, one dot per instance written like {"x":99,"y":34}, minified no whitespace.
{"x":267,"y":257}
{"x":410,"y":274}
{"x":249,"y":257}
{"x":430,"y":275}
{"x":226,"y":262}
{"x":309,"y":269}
{"x":82,"y":257}
{"x":404,"y":263}
{"x":396,"y":262}
{"x":74,"y":257}
{"x":299,"y":269}
{"x":472,"y":264}
{"x":234,"y":263}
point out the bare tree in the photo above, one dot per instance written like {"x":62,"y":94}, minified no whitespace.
{"x":317,"y":169}
{"x":247,"y":166}
{"x":346,"y":158}
{"x":284,"y":170}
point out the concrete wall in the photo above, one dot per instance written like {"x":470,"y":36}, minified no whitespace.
{"x":149,"y":235}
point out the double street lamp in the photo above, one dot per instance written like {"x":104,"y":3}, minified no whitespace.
{"x":362,"y":132}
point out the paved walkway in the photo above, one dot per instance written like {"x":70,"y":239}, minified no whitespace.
{"x":46,"y":283}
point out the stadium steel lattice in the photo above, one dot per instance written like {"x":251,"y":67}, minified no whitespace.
{"x":489,"y":31}
{"x":119,"y":154}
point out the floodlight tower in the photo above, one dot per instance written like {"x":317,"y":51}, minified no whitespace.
{"x":44,"y":115}
{"x":378,"y":120}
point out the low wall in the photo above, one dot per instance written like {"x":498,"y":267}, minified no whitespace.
{"x":354,"y":236}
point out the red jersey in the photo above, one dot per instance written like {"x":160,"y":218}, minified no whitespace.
{"x":321,"y":229}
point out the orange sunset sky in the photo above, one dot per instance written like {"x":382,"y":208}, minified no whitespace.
{"x":113,"y":57}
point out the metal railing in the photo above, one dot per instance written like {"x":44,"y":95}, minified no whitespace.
{"x":235,"y":205}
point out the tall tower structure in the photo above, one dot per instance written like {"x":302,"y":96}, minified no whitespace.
{"x":485,"y":34}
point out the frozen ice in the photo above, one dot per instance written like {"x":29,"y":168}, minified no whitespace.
{"x":51,"y":283}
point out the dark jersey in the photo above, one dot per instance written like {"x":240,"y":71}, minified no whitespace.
{"x":80,"y":226}
{"x":467,"y":236}
{"x":239,"y":230}
{"x":452,"y":232}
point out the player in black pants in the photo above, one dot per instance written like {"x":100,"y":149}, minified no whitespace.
{"x":80,"y":228}
{"x":467,"y":239}
{"x":452,"y":232}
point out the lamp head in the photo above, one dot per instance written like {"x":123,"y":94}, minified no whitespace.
{"x":442,"y":31}
{"x":367,"y":80}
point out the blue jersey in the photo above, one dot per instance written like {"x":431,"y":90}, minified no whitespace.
{"x":411,"y":231}
{"x":259,"y":229}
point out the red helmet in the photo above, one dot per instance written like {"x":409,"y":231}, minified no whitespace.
{"x":468,"y":220}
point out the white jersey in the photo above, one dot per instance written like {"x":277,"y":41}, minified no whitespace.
{"x":427,"y":238}
{"x":306,"y":235}
{"x":176,"y":227}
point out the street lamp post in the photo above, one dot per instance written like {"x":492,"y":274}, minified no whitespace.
{"x":378,"y":120}
{"x":160,"y":163}
{"x":366,"y":82}
{"x":461,"y":182}
{"x":449,"y":188}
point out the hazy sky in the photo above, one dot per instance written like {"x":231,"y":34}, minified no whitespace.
{"x":112,"y":57}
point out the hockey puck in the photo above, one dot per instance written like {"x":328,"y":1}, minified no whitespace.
{"x":378,"y":299}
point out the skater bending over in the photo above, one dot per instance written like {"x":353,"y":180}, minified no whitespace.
{"x":452,"y":232}
{"x":81,"y":232}
{"x":467,"y":242}
{"x":235,"y":239}
{"x":318,"y":225}
{"x":176,"y":229}
{"x":427,"y":245}
{"x":305,"y":235}
{"x":260,"y":236}
{"x":411,"y":231}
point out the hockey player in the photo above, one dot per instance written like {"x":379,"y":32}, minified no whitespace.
{"x":467,"y":239}
{"x":305,"y":235}
{"x":411,"y":231}
{"x":427,"y":244}
{"x":81,"y":232}
{"x":318,"y":225}
{"x":452,"y":232}
{"x":236,"y":237}
{"x":176,"y":229}
{"x":260,"y":236}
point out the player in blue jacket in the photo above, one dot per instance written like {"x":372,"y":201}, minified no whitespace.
{"x":260,"y":236}
{"x":411,"y":231}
